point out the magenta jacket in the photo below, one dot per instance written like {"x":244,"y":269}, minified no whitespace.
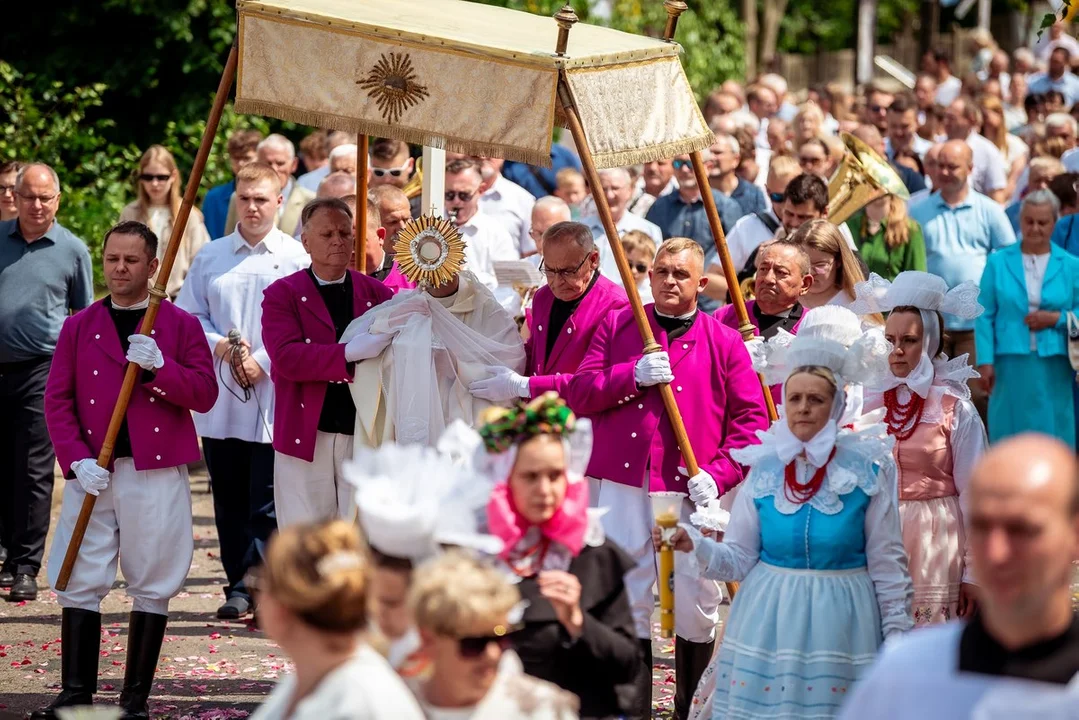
{"x":729,"y":317}
{"x":86,"y":375}
{"x":305,"y":356}
{"x":396,"y":280}
{"x":715,"y":388}
{"x":553,"y":373}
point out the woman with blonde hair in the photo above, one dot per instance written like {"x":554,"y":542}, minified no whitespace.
{"x":465,"y":611}
{"x":1014,"y":150}
{"x":807,"y":124}
{"x":835,"y":268}
{"x":888,"y":240}
{"x":157,"y":193}
{"x":313,"y":592}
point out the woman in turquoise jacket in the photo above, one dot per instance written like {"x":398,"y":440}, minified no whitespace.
{"x":1021,"y":339}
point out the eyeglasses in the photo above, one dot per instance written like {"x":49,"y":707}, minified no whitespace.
{"x":777,"y":197}
{"x":5,"y":189}
{"x":679,"y":164}
{"x":148,"y":177}
{"x":43,"y":199}
{"x":564,"y":274}
{"x":459,"y":195}
{"x":474,"y":646}
{"x":394,"y":172}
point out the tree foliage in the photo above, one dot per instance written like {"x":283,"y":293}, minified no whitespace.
{"x":811,"y":26}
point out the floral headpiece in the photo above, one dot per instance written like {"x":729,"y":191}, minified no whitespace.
{"x":504,"y":428}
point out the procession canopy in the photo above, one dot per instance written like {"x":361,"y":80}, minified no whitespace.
{"x":463,"y":76}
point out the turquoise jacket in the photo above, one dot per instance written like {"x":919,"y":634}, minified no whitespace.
{"x":1000,"y":330}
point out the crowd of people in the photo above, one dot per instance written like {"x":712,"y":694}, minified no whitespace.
{"x":438,"y":498}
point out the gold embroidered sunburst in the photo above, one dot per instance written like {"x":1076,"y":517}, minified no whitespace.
{"x":392,"y":84}
{"x":430,"y":251}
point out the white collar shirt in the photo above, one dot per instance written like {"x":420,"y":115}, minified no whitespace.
{"x":510,"y":205}
{"x":486,"y":242}
{"x":224,"y":291}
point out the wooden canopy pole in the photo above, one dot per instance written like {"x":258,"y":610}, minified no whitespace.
{"x":565,"y":19}
{"x":157,"y":294}
{"x":674,"y":9}
{"x":361,"y":206}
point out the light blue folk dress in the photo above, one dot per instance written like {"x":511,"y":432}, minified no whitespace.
{"x":823,"y":583}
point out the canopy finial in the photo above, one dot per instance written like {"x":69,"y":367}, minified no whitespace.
{"x":674,"y":8}
{"x":566,"y":19}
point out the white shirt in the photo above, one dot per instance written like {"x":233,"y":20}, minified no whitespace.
{"x":948,"y":91}
{"x":990,"y":171}
{"x":363,"y":688}
{"x":486,"y":241}
{"x":628,"y":222}
{"x":1034,"y":267}
{"x":224,"y":290}
{"x":1016,"y":149}
{"x":511,"y":205}
{"x":746,"y":236}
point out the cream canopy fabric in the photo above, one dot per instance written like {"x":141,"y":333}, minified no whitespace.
{"x":464,"y":76}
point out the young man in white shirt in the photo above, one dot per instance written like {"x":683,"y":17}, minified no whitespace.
{"x":486,"y":241}
{"x":224,"y":291}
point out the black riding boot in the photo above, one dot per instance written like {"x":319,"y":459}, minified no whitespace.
{"x":80,"y":647}
{"x":145,"y":633}
{"x":690,"y":661}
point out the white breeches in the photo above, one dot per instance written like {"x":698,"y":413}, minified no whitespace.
{"x":629,"y":523}
{"x":313,"y":491}
{"x":143,"y":520}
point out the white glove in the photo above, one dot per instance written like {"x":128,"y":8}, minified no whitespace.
{"x":90,"y":475}
{"x":702,"y":488}
{"x":144,"y":352}
{"x":502,"y":384}
{"x":366,"y":346}
{"x":653,"y":369}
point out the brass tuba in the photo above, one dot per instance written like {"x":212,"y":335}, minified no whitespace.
{"x":862,"y":177}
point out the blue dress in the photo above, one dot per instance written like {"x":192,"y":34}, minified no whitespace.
{"x":824,"y":582}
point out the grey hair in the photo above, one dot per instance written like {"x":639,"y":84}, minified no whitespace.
{"x":339,"y":181}
{"x":280,"y":141}
{"x":1042,"y":197}
{"x":335,"y":204}
{"x":1059,"y":119}
{"x":344,"y":150}
{"x":553,"y":203}
{"x":731,"y":141}
{"x":616,"y":171}
{"x":22,"y":174}
{"x":569,"y":230}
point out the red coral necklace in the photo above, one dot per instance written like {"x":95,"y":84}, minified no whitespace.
{"x":902,"y":419}
{"x":799,"y":494}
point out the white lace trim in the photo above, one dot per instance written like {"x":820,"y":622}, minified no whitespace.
{"x":916,"y":289}
{"x":949,"y":379}
{"x":857,"y":454}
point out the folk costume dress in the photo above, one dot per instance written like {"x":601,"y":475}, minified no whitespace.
{"x":939,"y":439}
{"x":824,"y":580}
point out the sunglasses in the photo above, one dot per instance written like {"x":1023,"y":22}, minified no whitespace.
{"x":394,"y":172}
{"x":459,"y":195}
{"x":147,"y":177}
{"x":877,"y":109}
{"x":640,"y":267}
{"x":777,"y":197}
{"x":476,"y":645}
{"x":679,"y":164}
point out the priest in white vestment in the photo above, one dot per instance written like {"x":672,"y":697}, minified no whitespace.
{"x":444,"y":338}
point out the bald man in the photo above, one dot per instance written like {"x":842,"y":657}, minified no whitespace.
{"x":931,"y":163}
{"x":547,"y":211}
{"x":1023,"y":531}
{"x":989,"y":172}
{"x":961,"y":228}
{"x":394,"y":208}
{"x":337,"y":184}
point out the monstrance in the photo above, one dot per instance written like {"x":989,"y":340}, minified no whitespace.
{"x":430,"y":251}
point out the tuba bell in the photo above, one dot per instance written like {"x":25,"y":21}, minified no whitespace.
{"x":862,"y":177}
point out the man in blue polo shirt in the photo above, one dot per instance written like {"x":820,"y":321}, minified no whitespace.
{"x":45,"y":272}
{"x":961,"y":228}
{"x":681,"y":213}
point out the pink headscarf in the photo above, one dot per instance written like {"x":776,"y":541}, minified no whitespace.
{"x":566,"y":527}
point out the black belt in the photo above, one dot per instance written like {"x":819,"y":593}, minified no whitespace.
{"x":21,"y":365}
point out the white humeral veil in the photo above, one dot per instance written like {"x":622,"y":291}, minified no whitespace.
{"x":419,"y":385}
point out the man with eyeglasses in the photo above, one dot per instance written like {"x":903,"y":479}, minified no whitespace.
{"x":45,"y":273}
{"x":392,"y":164}
{"x":565,"y":315}
{"x":224,"y":291}
{"x":9,"y":207}
{"x":682,"y":213}
{"x":486,"y":241}
{"x":617,"y":187}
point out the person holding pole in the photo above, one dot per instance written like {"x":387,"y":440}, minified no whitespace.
{"x":224,"y":290}
{"x":814,"y":536}
{"x":303,"y":318}
{"x":718,"y":394}
{"x":142,"y":517}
